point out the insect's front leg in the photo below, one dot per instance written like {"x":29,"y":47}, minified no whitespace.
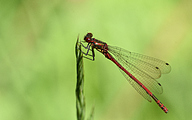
{"x":87,"y":53}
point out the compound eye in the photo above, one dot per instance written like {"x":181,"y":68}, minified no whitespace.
{"x":90,"y":35}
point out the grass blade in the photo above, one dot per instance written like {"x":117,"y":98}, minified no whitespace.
{"x":80,"y":98}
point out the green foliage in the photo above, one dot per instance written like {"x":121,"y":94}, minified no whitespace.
{"x":38,"y":66}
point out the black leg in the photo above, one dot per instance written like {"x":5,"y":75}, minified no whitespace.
{"x":88,"y":45}
{"x":88,"y":48}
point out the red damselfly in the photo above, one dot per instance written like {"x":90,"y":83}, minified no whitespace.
{"x":140,"y":70}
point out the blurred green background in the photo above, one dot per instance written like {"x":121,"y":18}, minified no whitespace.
{"x":37,"y":57}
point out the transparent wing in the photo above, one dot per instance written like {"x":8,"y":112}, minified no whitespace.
{"x":151,"y":66}
{"x":137,"y":87}
{"x":146,"y":69}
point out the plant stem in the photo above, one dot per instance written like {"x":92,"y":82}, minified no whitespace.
{"x":80,"y":98}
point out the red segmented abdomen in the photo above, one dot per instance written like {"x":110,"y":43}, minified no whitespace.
{"x":160,"y":104}
{"x":107,"y":55}
{"x":130,"y":75}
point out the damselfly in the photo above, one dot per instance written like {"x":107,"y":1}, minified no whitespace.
{"x":140,"y":70}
